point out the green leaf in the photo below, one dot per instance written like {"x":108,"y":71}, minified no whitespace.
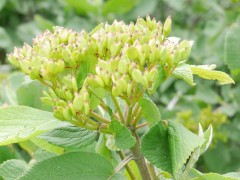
{"x":118,"y":7}
{"x":88,"y":66}
{"x":47,"y":146}
{"x":43,"y":23}
{"x":207,"y":72}
{"x":142,"y":9}
{"x":85,"y":7}
{"x":150,"y":111}
{"x":123,"y":136}
{"x":20,"y":123}
{"x":97,"y":95}
{"x":5,"y":40}
{"x":214,"y":176}
{"x":75,"y":165}
{"x":2,"y":4}
{"x":12,"y":169}
{"x":184,"y":72}
{"x":232,"y":47}
{"x":29,"y":94}
{"x":168,"y":145}
{"x":160,"y":78}
{"x":70,"y":137}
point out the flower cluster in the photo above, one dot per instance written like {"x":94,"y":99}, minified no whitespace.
{"x":122,"y":59}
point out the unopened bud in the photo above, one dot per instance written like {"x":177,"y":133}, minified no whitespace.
{"x":78,"y":103}
{"x":137,"y":75}
{"x":167,"y":26}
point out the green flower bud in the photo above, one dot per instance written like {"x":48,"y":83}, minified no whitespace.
{"x":67,"y":114}
{"x":129,"y":89}
{"x":68,"y":95}
{"x":58,"y":113}
{"x":115,"y":49}
{"x":47,"y":100}
{"x":86,"y":108}
{"x":34,"y":73}
{"x":152,"y":75}
{"x":74,"y":84}
{"x":123,"y":66}
{"x":123,"y":84}
{"x":167,"y":26}
{"x":137,"y":75}
{"x":78,"y":103}
{"x":60,"y":102}
{"x":144,"y":81}
{"x":52,"y":68}
{"x":106,"y":78}
{"x":50,"y":93}
{"x":95,"y":81}
{"x":133,"y":53}
{"x":116,"y":90}
{"x":73,"y":110}
{"x":60,"y":92}
{"x":13,"y":58}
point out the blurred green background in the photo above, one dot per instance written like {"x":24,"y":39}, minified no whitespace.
{"x":213,"y":25}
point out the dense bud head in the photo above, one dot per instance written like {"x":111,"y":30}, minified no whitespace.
{"x":120,"y":58}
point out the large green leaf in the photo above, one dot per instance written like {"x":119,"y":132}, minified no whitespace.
{"x":122,"y":135}
{"x":184,"y":72}
{"x":207,"y":72}
{"x":20,"y":123}
{"x":88,"y":66}
{"x":29,"y":94}
{"x":168,"y":145}
{"x":5,"y":40}
{"x":70,"y":137}
{"x":83,"y":6}
{"x":12,"y":169}
{"x":232,"y":47}
{"x":75,"y":165}
{"x":214,"y":176}
{"x":150,"y":111}
{"x":47,"y":146}
{"x":118,"y":7}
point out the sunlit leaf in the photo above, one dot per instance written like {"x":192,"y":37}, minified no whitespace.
{"x":20,"y":123}
{"x":207,"y":72}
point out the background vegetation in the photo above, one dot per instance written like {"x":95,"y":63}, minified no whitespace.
{"x":213,"y":25}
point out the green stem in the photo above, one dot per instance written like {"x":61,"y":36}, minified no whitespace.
{"x":99,"y":118}
{"x":141,"y":125}
{"x":129,"y":170}
{"x":152,"y":171}
{"x":140,"y":161}
{"x":137,"y":118}
{"x":118,"y":108}
{"x":129,"y":116}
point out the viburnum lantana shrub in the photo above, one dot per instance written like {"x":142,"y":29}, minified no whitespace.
{"x":100,"y":81}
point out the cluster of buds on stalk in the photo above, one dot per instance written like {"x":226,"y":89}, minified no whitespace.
{"x":125,"y":61}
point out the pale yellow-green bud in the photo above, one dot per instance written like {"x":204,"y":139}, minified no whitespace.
{"x":74,"y":84}
{"x":133,"y":53}
{"x":78,"y":103}
{"x":152,"y":75}
{"x":116,"y":90}
{"x":167,"y":26}
{"x":67,"y":113}
{"x":137,"y":75}
{"x":58,"y":113}
{"x":47,"y":100}
{"x":95,"y":81}
{"x":123,"y":66}
{"x":68,"y":94}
